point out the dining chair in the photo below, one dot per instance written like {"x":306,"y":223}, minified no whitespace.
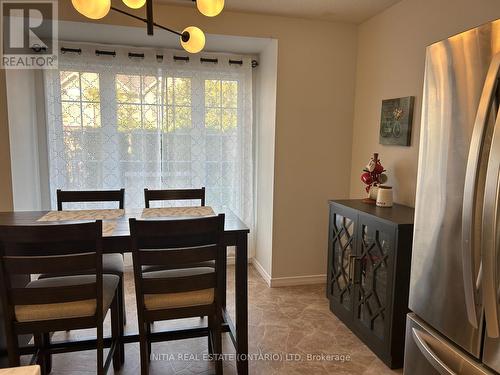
{"x":182,"y":292}
{"x":57,"y":303}
{"x":174,"y":195}
{"x":80,"y":196}
{"x":112,"y":263}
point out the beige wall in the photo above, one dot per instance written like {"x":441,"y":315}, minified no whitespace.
{"x":265,"y":109}
{"x":315,"y":90}
{"x":391,"y":56}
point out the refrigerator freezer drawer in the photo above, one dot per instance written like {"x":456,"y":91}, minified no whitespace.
{"x":427,"y":353}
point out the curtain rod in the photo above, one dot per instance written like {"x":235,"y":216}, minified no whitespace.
{"x":78,"y":51}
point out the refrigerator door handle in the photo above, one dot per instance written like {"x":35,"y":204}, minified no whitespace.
{"x":429,"y":354}
{"x":470,"y":247}
{"x":489,"y":236}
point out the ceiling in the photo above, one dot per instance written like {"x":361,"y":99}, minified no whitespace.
{"x":355,"y":11}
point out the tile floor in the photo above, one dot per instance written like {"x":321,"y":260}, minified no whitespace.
{"x":293,"y":320}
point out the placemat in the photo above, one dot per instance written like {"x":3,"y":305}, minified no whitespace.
{"x":82,"y":215}
{"x":178,"y":211}
{"x":108,"y":227}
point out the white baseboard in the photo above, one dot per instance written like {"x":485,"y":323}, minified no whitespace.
{"x":287,"y":281}
{"x":262,"y":272}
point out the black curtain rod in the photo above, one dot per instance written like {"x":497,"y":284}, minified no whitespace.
{"x":105,"y":53}
{"x":255,"y":63}
{"x":137,"y":55}
{"x":214,"y":61}
{"x":71,"y":50}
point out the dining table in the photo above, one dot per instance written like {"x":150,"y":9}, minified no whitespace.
{"x":116,"y":239}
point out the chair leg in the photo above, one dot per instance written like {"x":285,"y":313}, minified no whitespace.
{"x":210,"y":335}
{"x":121,"y":297}
{"x":116,"y":333}
{"x":100,"y":349}
{"x":47,"y":357}
{"x":148,"y":330}
{"x":13,"y":348}
{"x":217,"y":343}
{"x":143,"y":345}
{"x":40,"y":359}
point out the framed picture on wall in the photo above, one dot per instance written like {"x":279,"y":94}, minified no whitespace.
{"x":396,"y":121}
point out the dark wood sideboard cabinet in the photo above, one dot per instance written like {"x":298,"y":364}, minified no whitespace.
{"x":368,"y":276}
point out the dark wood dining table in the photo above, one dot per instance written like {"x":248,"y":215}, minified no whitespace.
{"x":235,"y":234}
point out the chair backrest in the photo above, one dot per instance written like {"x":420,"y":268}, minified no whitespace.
{"x":174,"y":195}
{"x":51,"y":249}
{"x":176,"y":243}
{"x":65,"y":196}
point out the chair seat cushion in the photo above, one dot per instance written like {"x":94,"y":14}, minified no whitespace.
{"x":77,"y":309}
{"x":113,"y":264}
{"x":209,"y":263}
{"x":177,"y":300}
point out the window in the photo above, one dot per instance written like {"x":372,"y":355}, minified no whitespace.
{"x":80,"y":100}
{"x":116,"y":122}
{"x":81,"y":120}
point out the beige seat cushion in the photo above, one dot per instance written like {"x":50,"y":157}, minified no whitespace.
{"x":49,"y":311}
{"x":23,"y":370}
{"x":177,"y":300}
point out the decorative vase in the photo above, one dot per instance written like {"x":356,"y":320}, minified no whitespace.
{"x":384,"y":196}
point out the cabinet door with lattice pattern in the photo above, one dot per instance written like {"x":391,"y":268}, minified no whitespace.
{"x":373,"y":279}
{"x":340,"y":261}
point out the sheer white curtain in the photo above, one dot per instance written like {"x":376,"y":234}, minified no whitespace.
{"x":153,"y":121}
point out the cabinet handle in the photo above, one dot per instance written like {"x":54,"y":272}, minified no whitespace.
{"x":352,"y":268}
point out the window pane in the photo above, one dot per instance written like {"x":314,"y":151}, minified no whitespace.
{"x":229,"y":119}
{"x":151,"y":90}
{"x":229,"y":94}
{"x":129,"y":117}
{"x":71,"y":115}
{"x":168,"y":120}
{"x":70,"y":85}
{"x":182,"y":117}
{"x":91,"y":115}
{"x":212,"y":118}
{"x":128,"y":88}
{"x":90,"y":87}
{"x":170,"y":91}
{"x":150,"y":117}
{"x":182,"y":91}
{"x":212,"y":93}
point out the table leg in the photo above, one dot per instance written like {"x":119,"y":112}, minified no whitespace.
{"x":224,"y":282}
{"x":241,"y":292}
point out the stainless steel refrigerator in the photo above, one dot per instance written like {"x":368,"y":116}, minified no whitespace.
{"x":454,"y":291}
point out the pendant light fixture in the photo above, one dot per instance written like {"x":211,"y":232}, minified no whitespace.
{"x":192,"y":39}
{"x":210,"y":8}
{"x":95,"y":9}
{"x":134,"y":4}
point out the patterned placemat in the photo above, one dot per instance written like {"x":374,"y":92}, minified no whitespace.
{"x":178,"y":211}
{"x":82,"y":215}
{"x":108,"y":227}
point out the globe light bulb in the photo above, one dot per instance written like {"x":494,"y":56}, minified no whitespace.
{"x":192,"y":39}
{"x":210,"y":8}
{"x":134,"y":4}
{"x":94,"y":9}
